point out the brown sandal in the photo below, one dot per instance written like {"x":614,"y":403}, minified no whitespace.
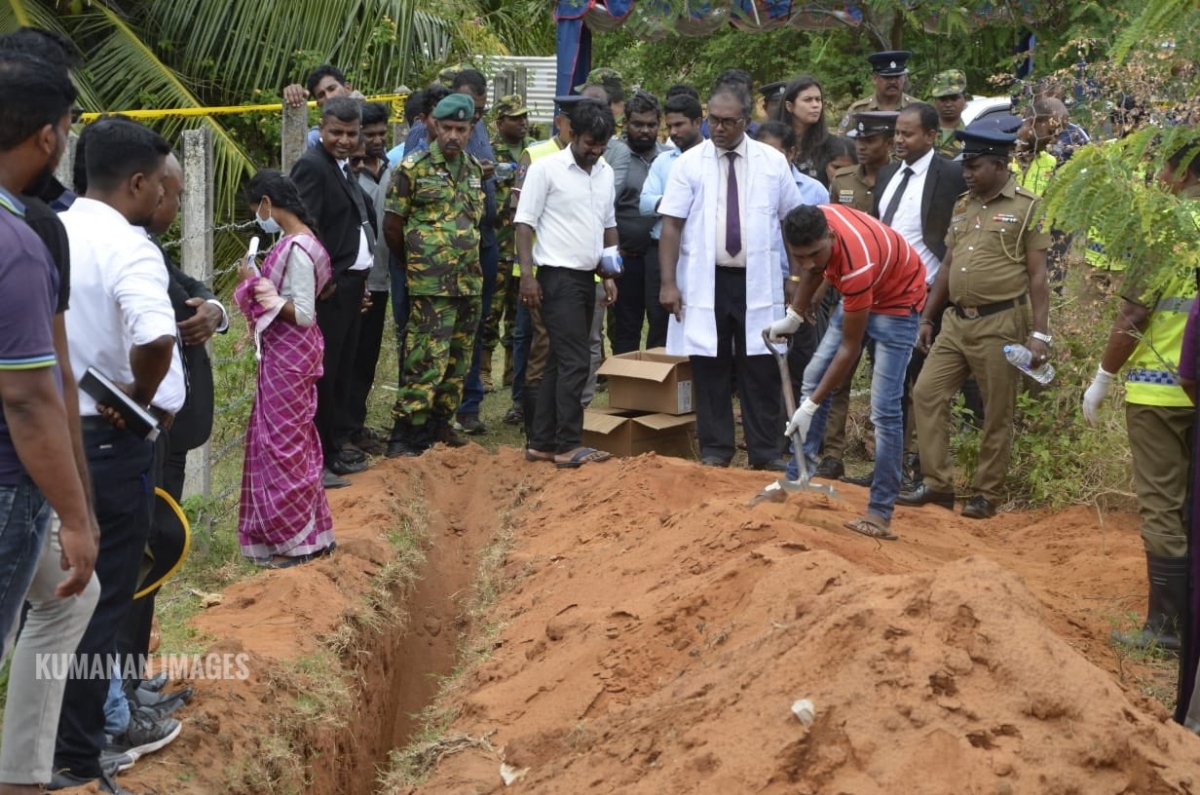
{"x":871,"y":527}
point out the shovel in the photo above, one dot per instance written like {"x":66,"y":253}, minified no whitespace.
{"x":801,"y":483}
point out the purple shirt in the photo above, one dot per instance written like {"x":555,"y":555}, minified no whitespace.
{"x":28,"y":297}
{"x":1187,"y":355}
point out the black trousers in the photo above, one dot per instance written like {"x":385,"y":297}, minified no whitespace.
{"x":568,"y":308}
{"x":366,"y":357}
{"x":757,"y":379}
{"x":340,"y":319}
{"x":629,"y":312}
{"x":656,"y":316}
{"x":804,"y":345}
{"x":121,"y":468}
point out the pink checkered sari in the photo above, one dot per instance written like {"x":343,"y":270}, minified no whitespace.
{"x":283,"y":509}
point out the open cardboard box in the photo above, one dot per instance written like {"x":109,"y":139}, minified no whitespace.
{"x":629,"y":433}
{"x":650,"y":381}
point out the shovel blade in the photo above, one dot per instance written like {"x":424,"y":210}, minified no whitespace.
{"x":797,"y":486}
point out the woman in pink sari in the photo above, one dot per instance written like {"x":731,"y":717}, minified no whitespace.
{"x":283,"y":518}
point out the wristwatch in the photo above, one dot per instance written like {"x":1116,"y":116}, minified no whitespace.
{"x":1046,"y":338}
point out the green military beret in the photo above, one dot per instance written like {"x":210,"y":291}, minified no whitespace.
{"x":456,"y":107}
{"x":603,"y":76}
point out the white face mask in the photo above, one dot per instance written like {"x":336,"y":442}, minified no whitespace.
{"x":268,"y":224}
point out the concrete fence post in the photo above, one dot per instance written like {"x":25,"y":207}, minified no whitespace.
{"x":65,"y":173}
{"x":295,"y":135}
{"x":197,"y":262}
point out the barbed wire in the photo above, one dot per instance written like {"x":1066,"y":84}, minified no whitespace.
{"x":236,"y":226}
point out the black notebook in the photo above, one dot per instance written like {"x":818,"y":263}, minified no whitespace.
{"x":101,"y":389}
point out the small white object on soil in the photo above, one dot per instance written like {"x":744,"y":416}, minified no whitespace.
{"x":804,"y":711}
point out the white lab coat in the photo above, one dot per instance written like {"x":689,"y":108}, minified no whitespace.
{"x":691,"y":194}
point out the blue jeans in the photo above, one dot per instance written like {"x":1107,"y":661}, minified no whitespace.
{"x":24,"y":519}
{"x":116,"y":706}
{"x":489,"y":260}
{"x":893,"y":337}
{"x":399,"y":311}
{"x":522,"y":340}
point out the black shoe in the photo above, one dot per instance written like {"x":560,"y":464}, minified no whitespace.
{"x":860,"y":480}
{"x":113,"y":763}
{"x":331,"y":481}
{"x":144,"y":735}
{"x":155,"y":683}
{"x":368,"y":442}
{"x":156,"y":708}
{"x":471,"y":425}
{"x":923,"y":495}
{"x":713,"y":461}
{"x":978,"y":508}
{"x":398,"y":448}
{"x":515,"y":415}
{"x":776,"y":465}
{"x":151,"y":698}
{"x":446,"y":434}
{"x":344,"y":464}
{"x":105,"y":783}
{"x":830,"y":468}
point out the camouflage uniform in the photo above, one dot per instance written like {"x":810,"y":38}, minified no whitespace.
{"x":442,"y":204}
{"x":504,"y":299}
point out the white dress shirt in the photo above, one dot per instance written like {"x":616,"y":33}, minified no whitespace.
{"x":119,"y":299}
{"x":907,"y":220}
{"x":724,"y":258}
{"x":569,"y":209}
{"x":365,"y":258}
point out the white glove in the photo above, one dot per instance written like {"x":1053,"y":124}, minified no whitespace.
{"x":787,"y":325}
{"x":801,"y":421}
{"x":1095,"y":394}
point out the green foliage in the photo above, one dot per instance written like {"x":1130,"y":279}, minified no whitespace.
{"x":1110,"y":188}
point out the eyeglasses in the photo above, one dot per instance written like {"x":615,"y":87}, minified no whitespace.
{"x":357,"y":160}
{"x":76,"y":115}
{"x":719,"y":122}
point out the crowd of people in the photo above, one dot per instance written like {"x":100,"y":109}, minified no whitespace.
{"x":684,"y":222}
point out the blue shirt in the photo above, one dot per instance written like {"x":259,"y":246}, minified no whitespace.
{"x":396,"y":153}
{"x":314,"y":136}
{"x":812,"y":193}
{"x":655,"y":184}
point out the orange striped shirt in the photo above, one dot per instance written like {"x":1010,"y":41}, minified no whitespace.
{"x":872,"y":266}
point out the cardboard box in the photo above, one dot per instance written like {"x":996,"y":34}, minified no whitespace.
{"x":629,"y":433}
{"x":650,"y":381}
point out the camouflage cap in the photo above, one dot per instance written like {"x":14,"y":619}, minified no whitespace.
{"x":948,"y":83}
{"x":455,"y":107}
{"x":603,"y":76}
{"x":447,"y":75}
{"x":511,"y":105}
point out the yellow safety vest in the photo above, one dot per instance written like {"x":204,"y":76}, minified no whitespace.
{"x":536,"y":152}
{"x":1152,"y":374}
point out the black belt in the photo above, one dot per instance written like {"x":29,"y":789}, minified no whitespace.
{"x":731,"y":269}
{"x":975,"y":312}
{"x":94,"y":423}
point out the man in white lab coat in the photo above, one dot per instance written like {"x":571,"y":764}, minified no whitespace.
{"x":719,"y":253}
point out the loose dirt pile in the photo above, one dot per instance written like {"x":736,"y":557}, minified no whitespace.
{"x":657,"y":632}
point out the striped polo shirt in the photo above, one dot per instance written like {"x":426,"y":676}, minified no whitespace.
{"x":872,"y":266}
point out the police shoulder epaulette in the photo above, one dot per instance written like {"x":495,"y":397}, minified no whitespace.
{"x":1028,"y":194}
{"x":845,"y":171}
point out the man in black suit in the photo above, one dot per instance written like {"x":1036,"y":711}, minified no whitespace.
{"x":345,"y":220}
{"x":916,"y":196}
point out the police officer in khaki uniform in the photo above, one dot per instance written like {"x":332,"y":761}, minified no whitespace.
{"x":889,"y":71}
{"x":854,"y":186}
{"x":433,"y":210}
{"x":994,"y":277}
{"x":872,"y":132}
{"x":949,"y":94}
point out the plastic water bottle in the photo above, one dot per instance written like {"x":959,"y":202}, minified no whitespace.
{"x":1021,"y":358}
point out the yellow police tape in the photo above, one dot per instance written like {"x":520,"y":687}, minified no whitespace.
{"x":395,"y":100}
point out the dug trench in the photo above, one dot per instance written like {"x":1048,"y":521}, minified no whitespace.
{"x":652,"y":632}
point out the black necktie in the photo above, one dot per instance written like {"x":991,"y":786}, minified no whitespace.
{"x":360,"y":205}
{"x":890,"y":212}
